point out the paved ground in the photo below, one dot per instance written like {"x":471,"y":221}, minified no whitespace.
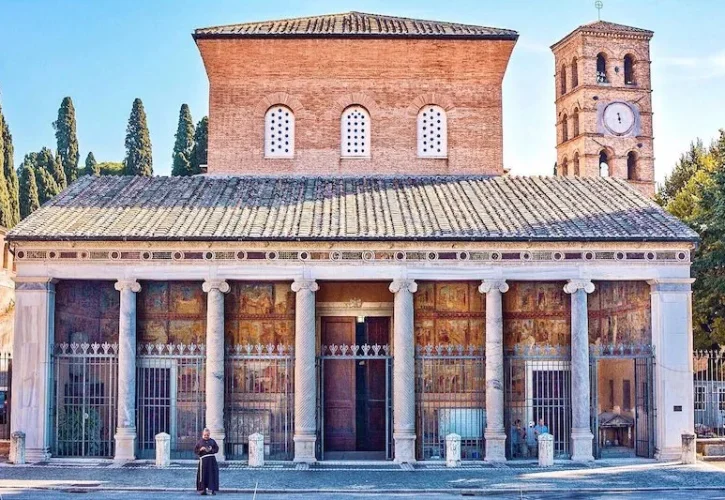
{"x":606,"y":479}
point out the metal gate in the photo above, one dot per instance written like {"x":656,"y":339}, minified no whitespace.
{"x":355,"y":354}
{"x":537,"y":381}
{"x":709,"y":387}
{"x":84,"y":398}
{"x":259,"y":398}
{"x":635,"y":420}
{"x":6,"y":371}
{"x":450,"y":387}
{"x":170,"y":381}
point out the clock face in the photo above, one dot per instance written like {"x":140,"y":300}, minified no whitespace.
{"x":618,"y":118}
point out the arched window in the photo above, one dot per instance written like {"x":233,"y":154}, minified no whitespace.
{"x":632,"y":166}
{"x":564,"y":167}
{"x":279,"y":132}
{"x":355,"y":132}
{"x":432,"y":132}
{"x":574,"y":73}
{"x":576,"y":164}
{"x":564,"y":128}
{"x":562,"y":78}
{"x":575,"y":124}
{"x":629,"y":70}
{"x":603,"y":164}
{"x":601,"y":68}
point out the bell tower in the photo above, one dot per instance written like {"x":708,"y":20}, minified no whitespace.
{"x":604,"y":104}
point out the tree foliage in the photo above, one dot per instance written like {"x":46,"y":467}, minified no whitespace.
{"x":201,"y":145}
{"x":29,"y":202}
{"x":184,"y":144}
{"x":138,"y":159}
{"x":5,"y":205}
{"x":91,"y":165}
{"x":11,"y":177}
{"x":67,"y":141}
{"x":111,"y":168}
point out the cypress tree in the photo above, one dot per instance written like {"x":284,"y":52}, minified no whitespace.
{"x":138,"y":159}
{"x":92,"y":167}
{"x":201,"y":145}
{"x":184,"y":145}
{"x":5,"y":207}
{"x":11,"y":177}
{"x":46,"y":185}
{"x":29,"y":202}
{"x":67,"y":141}
{"x":52,"y":164}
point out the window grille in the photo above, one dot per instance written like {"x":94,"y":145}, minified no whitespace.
{"x":279,"y":132}
{"x":432,"y":132}
{"x":355,"y":133}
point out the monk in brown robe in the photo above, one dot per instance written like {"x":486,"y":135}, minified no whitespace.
{"x":207,"y":474}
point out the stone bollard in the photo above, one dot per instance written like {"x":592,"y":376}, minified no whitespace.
{"x":256,"y":450}
{"x":17,"y":448}
{"x":163,"y":450}
{"x":546,"y":450}
{"x":453,"y":450}
{"x":689,"y":447}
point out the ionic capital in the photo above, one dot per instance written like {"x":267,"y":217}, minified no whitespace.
{"x":220,"y":285}
{"x":405,"y":285}
{"x":304,"y":284}
{"x":573,"y":286}
{"x":491,"y":285}
{"x":132,"y":285}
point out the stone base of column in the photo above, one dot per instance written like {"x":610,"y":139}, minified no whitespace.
{"x":125,"y":444}
{"x":668,"y":454}
{"x":34,"y":455}
{"x":581,"y":445}
{"x":305,"y":449}
{"x":218,"y":436}
{"x":404,"y":448}
{"x":495,"y":446}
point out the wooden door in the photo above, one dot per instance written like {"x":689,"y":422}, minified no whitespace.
{"x":377,"y":332}
{"x":339,"y":386}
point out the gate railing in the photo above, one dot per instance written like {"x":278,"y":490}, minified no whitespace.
{"x":450,"y":387}
{"x":6,"y":366}
{"x":259,"y":398}
{"x":709,"y":392}
{"x":84,"y":398}
{"x":170,"y":392}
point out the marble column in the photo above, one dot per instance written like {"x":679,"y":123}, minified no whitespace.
{"x":495,"y":431}
{"x":305,"y":435}
{"x":31,"y":381}
{"x":404,"y":370}
{"x":581,"y":433}
{"x":126,"y":425}
{"x":215,"y":290}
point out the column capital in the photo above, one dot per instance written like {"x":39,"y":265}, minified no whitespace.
{"x":573,"y":286}
{"x":674,"y":285}
{"x":131,"y":284}
{"x":32,"y":283}
{"x":220,"y":285}
{"x":491,"y":285}
{"x":403,"y":285}
{"x":304,"y":284}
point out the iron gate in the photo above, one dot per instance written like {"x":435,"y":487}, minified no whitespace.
{"x":537,"y":381}
{"x":6,"y":371}
{"x":84,"y":398}
{"x":259,"y":398}
{"x":709,"y":387}
{"x":450,"y":397}
{"x":634,"y":421}
{"x":170,"y":382}
{"x":356,"y":354}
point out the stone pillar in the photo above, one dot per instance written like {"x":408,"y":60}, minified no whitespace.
{"x":495,"y":431}
{"x":581,"y":433}
{"x":689,"y":448}
{"x":17,"y":448}
{"x":546,"y":450}
{"x":672,"y":342}
{"x":126,"y":425}
{"x":305,"y":435}
{"x":404,"y":370}
{"x":256,"y":450}
{"x":453,"y":450}
{"x":31,"y":384}
{"x":163,"y":449}
{"x":215,"y":290}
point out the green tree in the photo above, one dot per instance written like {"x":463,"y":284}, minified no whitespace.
{"x":689,"y":163}
{"x":11,"y":177}
{"x":67,"y":141}
{"x":29,"y":202}
{"x":5,"y":206}
{"x":201,"y":145}
{"x":45,"y":159}
{"x":47,"y":187}
{"x":138,"y":159}
{"x":91,"y":165}
{"x":111,"y":168}
{"x":184,"y":144}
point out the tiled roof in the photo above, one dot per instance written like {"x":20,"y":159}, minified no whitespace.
{"x":607,"y":27}
{"x":480,"y":208}
{"x":354,"y":24}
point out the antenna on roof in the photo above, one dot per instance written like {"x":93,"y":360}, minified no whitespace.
{"x":599,"y":5}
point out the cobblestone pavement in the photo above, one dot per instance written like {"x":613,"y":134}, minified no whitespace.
{"x":619,"y":478}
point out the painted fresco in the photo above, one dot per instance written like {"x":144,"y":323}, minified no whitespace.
{"x":171,"y":312}
{"x":536,"y":313}
{"x":86,"y":311}
{"x":259,"y":313}
{"x":449,"y":313}
{"x":620,"y":313}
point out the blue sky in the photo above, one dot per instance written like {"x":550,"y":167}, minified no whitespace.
{"x":105,"y":53}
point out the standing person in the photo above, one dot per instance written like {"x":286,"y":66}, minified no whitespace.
{"x":207,"y":474}
{"x":540,"y":429}
{"x":517,"y":439}
{"x":531,"y":444}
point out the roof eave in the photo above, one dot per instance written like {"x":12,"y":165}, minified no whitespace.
{"x":376,"y":36}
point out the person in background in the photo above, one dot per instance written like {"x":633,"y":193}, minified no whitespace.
{"x":540,"y":429}
{"x":532,"y":446}
{"x":516,"y":436}
{"x":207,"y":474}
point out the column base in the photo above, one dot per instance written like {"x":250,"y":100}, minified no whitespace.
{"x":670,"y":454}
{"x":495,"y":446}
{"x":305,"y":449}
{"x":35,"y":455}
{"x":125,"y":444}
{"x":404,"y":448}
{"x":218,"y":435}
{"x":581,"y":445}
